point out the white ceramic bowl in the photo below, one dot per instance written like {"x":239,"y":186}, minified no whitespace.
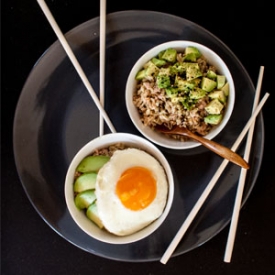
{"x":161,"y":139}
{"x":79,"y":216}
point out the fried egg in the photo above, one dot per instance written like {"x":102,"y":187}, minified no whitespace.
{"x":131,"y":191}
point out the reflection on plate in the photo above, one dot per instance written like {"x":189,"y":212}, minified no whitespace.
{"x":55,"y":116}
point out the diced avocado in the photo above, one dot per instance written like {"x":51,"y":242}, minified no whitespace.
{"x":178,"y":99}
{"x":141,"y":74}
{"x":197,"y":93}
{"x":170,"y":55}
{"x":158,"y":62}
{"x":175,"y":70}
{"x":213,"y":119}
{"x":211,"y":74}
{"x":178,"y":68}
{"x":171,"y":92}
{"x":220,"y":81}
{"x":193,"y":50}
{"x":190,"y":57}
{"x":92,"y":214}
{"x":164,"y":71}
{"x":160,"y":54}
{"x":151,"y":69}
{"x":219,"y":95}
{"x":92,"y":163}
{"x":147,"y":64}
{"x":163,"y":81}
{"x":186,"y":64}
{"x":84,"y":182}
{"x":185,"y":85}
{"x":196,"y":81}
{"x":214,"y":107}
{"x":192,"y":54}
{"x":83,"y":199}
{"x":208,"y":84}
{"x":225,"y":89}
{"x":193,"y":71}
{"x":186,"y":102}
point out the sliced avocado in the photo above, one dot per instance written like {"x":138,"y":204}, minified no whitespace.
{"x":197,"y":93}
{"x":220,"y":81}
{"x":92,"y":214}
{"x":92,"y":163}
{"x":84,"y":199}
{"x":219,"y":95}
{"x":225,"y":89}
{"x":213,"y":119}
{"x":170,"y":55}
{"x":193,"y":71}
{"x":208,"y":84}
{"x":214,"y":107}
{"x":84,"y":182}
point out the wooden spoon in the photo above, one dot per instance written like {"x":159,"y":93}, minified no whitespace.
{"x":213,"y":146}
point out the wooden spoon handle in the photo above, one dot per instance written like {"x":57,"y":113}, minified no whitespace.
{"x":221,"y":150}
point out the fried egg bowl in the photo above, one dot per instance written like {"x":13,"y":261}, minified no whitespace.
{"x":132,"y":192}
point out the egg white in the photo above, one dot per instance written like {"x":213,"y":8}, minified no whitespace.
{"x":115,"y":216}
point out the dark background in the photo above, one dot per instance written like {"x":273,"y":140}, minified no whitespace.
{"x":29,"y":245}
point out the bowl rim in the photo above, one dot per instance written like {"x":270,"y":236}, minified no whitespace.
{"x":158,"y":138}
{"x":79,"y":216}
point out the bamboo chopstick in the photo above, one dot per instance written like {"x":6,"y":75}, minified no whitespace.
{"x":238,"y":199}
{"x":102,"y":40}
{"x":76,"y":64}
{"x":209,"y":187}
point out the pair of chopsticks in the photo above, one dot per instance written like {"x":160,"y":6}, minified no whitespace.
{"x":211,"y":184}
{"x":238,"y":199}
{"x":64,"y":43}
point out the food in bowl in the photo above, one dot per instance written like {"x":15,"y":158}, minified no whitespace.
{"x":181,"y":88}
{"x":117,"y":190}
{"x":180,"y":83}
{"x":127,"y":191}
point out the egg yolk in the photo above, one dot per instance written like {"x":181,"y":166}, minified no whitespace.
{"x":136,"y":188}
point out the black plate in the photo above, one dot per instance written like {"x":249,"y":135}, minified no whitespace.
{"x":55,"y":116}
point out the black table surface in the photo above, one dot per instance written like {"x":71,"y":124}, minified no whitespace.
{"x":30,"y":246}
